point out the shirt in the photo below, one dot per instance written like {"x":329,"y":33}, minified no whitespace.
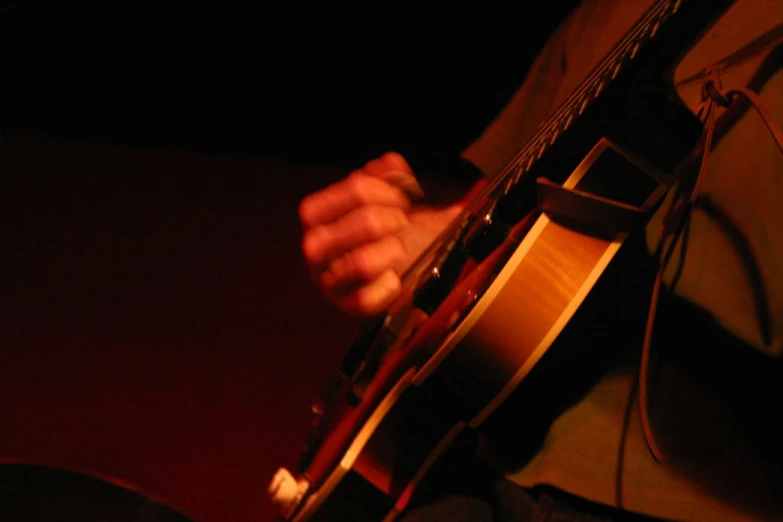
{"x":713,"y":470}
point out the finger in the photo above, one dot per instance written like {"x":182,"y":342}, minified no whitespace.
{"x":325,"y":243}
{"x":389,"y":161}
{"x":356,"y":190}
{"x":404,"y":181}
{"x":372,"y":298}
{"x":364,"y":264}
{"x":392,"y":168}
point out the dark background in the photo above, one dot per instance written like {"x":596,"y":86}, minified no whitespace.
{"x":320,"y":80}
{"x":157,"y":324}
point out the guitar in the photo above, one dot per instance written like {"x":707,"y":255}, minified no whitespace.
{"x":487,"y":300}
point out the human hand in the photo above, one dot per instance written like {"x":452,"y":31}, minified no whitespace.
{"x":361,"y":233}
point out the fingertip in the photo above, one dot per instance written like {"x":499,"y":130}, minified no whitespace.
{"x":374,"y":298}
{"x":305,"y":210}
{"x":313,"y":246}
{"x":396,"y":160}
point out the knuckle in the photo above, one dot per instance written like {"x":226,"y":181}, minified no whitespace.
{"x":374,"y":222}
{"x":397,"y":248}
{"x":394,"y":220}
{"x":357,"y":186}
{"x":310,"y":246}
{"x":306,"y":209}
{"x":361,"y":264}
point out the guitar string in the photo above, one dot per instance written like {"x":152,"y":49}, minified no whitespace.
{"x":577,"y":97}
{"x":599,"y":72}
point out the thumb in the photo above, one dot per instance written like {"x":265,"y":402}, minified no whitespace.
{"x":404,"y":181}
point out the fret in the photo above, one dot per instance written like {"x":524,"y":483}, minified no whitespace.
{"x":616,"y":70}
{"x":635,"y":50}
{"x":541,"y":150}
{"x":598,"y":88}
{"x":568,"y":121}
{"x":582,"y":106}
{"x":518,"y":171}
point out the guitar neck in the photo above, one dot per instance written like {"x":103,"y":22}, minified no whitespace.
{"x":659,"y":39}
{"x":656,"y":42}
{"x":651,"y":49}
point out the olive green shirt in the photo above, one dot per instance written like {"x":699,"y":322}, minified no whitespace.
{"x":711,"y":471}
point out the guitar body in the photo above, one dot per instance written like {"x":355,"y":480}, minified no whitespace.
{"x":489,"y":299}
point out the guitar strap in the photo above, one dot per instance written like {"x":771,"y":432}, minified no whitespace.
{"x":736,"y":102}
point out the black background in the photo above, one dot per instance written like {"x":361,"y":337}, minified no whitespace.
{"x":333,"y":80}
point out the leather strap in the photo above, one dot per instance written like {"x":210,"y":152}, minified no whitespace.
{"x":681,"y":208}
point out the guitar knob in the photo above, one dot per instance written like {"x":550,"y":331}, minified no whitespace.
{"x":285,"y":491}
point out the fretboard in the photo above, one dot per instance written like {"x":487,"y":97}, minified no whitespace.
{"x":607,"y":70}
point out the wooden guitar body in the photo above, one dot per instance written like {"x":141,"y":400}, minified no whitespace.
{"x":483,"y":305}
